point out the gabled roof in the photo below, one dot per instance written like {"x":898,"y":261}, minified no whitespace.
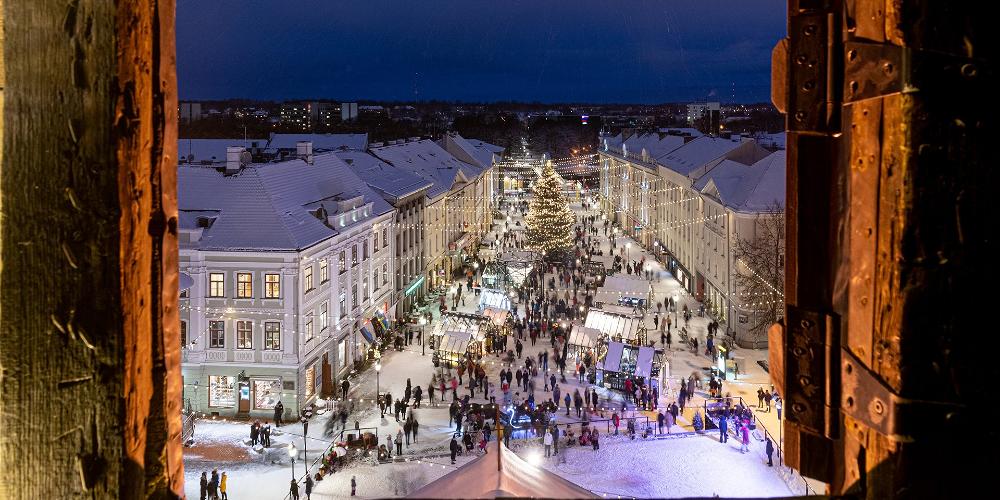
{"x":207,"y":151}
{"x":321,"y":142}
{"x":493,"y":148}
{"x":387,"y":180}
{"x":656,"y":144}
{"x":747,"y":188}
{"x":268,"y":206}
{"x":697,"y":153}
{"x":428,"y":161}
{"x":464,"y":150}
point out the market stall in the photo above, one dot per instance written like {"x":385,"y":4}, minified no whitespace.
{"x":583,"y":340}
{"x":623,"y":362}
{"x":450,"y":348}
{"x":496,"y":276}
{"x":519,"y":264}
{"x":493,"y":298}
{"x":625,"y":290}
{"x":457,"y":334}
{"x":618,"y":323}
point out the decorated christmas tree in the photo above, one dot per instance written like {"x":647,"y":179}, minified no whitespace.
{"x":550,"y":221}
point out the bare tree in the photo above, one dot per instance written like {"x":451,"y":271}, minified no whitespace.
{"x":760,"y":271}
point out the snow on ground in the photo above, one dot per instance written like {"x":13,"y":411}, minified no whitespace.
{"x":697,"y":466}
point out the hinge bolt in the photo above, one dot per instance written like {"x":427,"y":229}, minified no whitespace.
{"x":877,"y":407}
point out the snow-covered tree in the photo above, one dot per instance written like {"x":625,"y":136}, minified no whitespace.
{"x":760,"y":266}
{"x":549,"y":220}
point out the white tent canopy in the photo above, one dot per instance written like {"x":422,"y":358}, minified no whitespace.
{"x":494,"y":298}
{"x":515,"y":479}
{"x":455,"y":342}
{"x":614,"y":323}
{"x":497,"y":316}
{"x":584,"y":336}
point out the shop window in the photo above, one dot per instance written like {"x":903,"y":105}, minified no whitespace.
{"x":272,"y":336}
{"x":310,"y":380}
{"x":221,"y":391}
{"x":184,"y":334}
{"x":266,"y":394}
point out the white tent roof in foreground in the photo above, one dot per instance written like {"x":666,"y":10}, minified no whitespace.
{"x":515,"y":479}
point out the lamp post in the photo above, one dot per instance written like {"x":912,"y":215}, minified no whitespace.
{"x":378,"y":370}
{"x":305,"y":444}
{"x":628,"y":250}
{"x":423,"y":338}
{"x":676,"y":298}
{"x":293,"y":453}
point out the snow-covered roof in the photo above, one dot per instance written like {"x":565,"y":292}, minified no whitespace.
{"x":384,"y":178}
{"x":430,"y":162}
{"x":515,"y":479}
{"x":614,"y":325}
{"x":747,"y":188}
{"x":494,"y":298}
{"x":321,"y":142}
{"x":693,"y":132}
{"x":464,"y":150}
{"x":625,"y":286}
{"x":269,"y":206}
{"x":697,"y":153}
{"x":493,"y":148}
{"x":199,"y":151}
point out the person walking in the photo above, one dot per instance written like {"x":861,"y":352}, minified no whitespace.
{"x":388,"y":444}
{"x":723,"y":429}
{"x":354,"y":486}
{"x":568,"y":399}
{"x":659,"y":422}
{"x":415,"y":426}
{"x":454,"y":447}
{"x":767,"y":400}
{"x":769,"y":449}
{"x":203,"y":484}
{"x":547,"y":440}
{"x":309,"y":487}
{"x":222,"y":485}
{"x":399,"y":442}
{"x":293,"y":490}
{"x":344,"y":387}
{"x":407,"y":430}
{"x":616,"y":420}
{"x":760,"y":397}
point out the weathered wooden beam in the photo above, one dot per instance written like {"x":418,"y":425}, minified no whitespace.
{"x":89,"y":351}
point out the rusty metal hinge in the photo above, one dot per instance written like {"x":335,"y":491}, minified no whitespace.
{"x":867,"y":399}
{"x":812,"y":390}
{"x":813,"y":64}
{"x":874,"y":70}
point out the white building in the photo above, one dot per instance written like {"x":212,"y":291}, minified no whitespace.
{"x":657,"y":187}
{"x":284,"y":262}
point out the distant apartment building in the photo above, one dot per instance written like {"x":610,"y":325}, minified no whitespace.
{"x":190,"y":112}
{"x":308,"y":116}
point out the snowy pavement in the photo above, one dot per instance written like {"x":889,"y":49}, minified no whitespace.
{"x":675,"y":467}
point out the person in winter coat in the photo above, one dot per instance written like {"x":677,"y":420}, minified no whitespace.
{"x":547,"y":441}
{"x":213,"y":485}
{"x":279,"y":411}
{"x":578,"y":401}
{"x":454,"y":447}
{"x":769,"y":449}
{"x":388,"y":403}
{"x":568,"y":399}
{"x":417,"y":395}
{"x":388,"y":442}
{"x":723,"y":429}
{"x":203,"y":487}
{"x":745,"y":435}
{"x":293,"y":490}
{"x":222,"y":486}
{"x":309,"y":486}
{"x":407,"y":430}
{"x":616,"y":420}
{"x":344,"y":387}
{"x":399,"y":442}
{"x":594,"y":439}
{"x":668,"y":420}
{"x":555,"y":394}
{"x":354,"y":486}
{"x":254,"y":433}
{"x":415,"y":426}
{"x":659,"y":422}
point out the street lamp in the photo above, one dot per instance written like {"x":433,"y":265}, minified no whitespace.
{"x":305,"y":443}
{"x":628,"y":250}
{"x":423,"y":338}
{"x":293,"y":453}
{"x":676,"y":298}
{"x":378,"y":370}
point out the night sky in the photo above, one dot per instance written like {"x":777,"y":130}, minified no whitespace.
{"x":603,"y":51}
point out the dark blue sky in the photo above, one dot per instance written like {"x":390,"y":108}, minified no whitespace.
{"x":478,"y":50}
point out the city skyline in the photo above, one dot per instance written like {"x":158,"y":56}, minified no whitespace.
{"x":638,"y":52}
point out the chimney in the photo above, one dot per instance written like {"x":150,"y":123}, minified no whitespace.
{"x":304,"y":150}
{"x":234,"y":159}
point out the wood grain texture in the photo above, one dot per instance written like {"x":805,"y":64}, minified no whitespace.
{"x":88,"y":255}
